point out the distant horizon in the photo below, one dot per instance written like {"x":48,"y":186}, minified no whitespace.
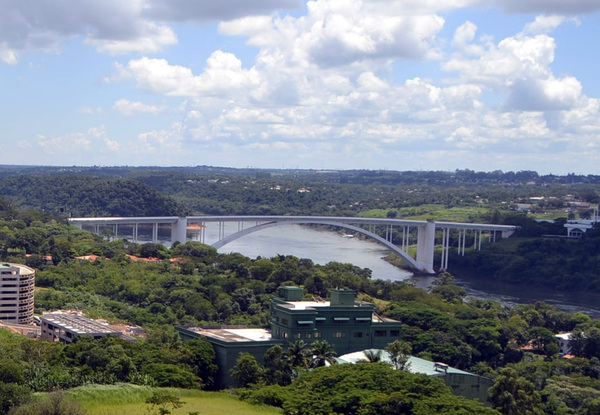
{"x":322,"y":170}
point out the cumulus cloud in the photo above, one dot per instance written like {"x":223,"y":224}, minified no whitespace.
{"x":222,"y":76}
{"x":337,"y":33}
{"x":112,"y":26}
{"x":304,"y":92}
{"x":518,"y":67}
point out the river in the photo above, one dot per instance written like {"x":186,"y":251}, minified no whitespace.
{"x":322,"y":246}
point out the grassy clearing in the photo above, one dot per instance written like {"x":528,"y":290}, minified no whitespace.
{"x":128,"y":399}
{"x":435,"y":212}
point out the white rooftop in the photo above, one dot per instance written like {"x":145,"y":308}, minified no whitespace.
{"x":303,"y":305}
{"x":235,"y":335}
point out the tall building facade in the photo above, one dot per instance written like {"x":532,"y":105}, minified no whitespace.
{"x":17,"y":285}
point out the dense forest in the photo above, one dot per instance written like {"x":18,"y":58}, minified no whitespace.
{"x":88,"y":191}
{"x":203,"y":287}
{"x":73,"y":196}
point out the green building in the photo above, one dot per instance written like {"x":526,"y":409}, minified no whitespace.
{"x":345,"y":323}
{"x":348,"y":325}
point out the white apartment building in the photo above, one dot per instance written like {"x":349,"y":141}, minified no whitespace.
{"x":17,"y":284}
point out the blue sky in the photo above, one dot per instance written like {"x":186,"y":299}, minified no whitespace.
{"x":326,"y":84}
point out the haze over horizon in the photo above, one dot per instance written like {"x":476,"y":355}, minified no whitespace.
{"x":325,"y":84}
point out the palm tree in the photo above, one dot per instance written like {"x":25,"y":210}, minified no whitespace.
{"x":372,"y":356}
{"x":322,"y":352}
{"x":298,"y":354}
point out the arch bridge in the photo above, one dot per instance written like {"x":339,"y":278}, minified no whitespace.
{"x":424,"y":234}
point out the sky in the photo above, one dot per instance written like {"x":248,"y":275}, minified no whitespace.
{"x":326,"y":84}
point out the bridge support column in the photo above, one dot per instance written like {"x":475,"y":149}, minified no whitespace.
{"x":155,"y":232}
{"x":425,"y":247}
{"x":179,"y":230}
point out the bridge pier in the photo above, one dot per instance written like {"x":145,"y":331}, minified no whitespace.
{"x":179,"y":230}
{"x":425,"y":246}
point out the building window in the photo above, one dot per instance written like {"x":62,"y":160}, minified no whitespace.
{"x":309,"y":335}
{"x":285,"y":321}
{"x":380,"y":333}
{"x":297,"y":335}
{"x":285,"y":335}
{"x":318,"y":334}
{"x":394,"y":333}
{"x":339,"y":334}
{"x":358,"y":334}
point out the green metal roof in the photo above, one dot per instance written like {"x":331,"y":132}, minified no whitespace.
{"x":416,"y":364}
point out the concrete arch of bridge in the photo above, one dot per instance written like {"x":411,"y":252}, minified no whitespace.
{"x":407,"y":258}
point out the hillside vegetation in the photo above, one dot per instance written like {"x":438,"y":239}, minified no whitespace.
{"x":73,"y":196}
{"x":203,"y":287}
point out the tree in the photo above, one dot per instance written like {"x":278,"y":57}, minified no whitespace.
{"x":162,"y":401}
{"x":277,"y":367}
{"x":247,"y":371}
{"x":541,"y":337}
{"x":12,"y":395}
{"x":322,"y":353}
{"x":171,"y":375}
{"x":373,"y":389}
{"x":399,"y":352}
{"x":514,"y":395}
{"x":200,"y":355}
{"x":445,"y":287}
{"x":298,"y":354}
{"x":372,"y":356}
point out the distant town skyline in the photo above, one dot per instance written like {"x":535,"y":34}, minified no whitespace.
{"x":324,"y":84}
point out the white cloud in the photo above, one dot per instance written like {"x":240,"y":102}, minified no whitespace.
{"x":284,"y":98}
{"x":338,"y":33}
{"x":545,"y":24}
{"x":464,"y":34}
{"x":7,"y":55}
{"x":157,"y":141}
{"x":70,"y":144}
{"x":129,"y":108}
{"x":223,"y":76}
{"x":517,"y":67}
